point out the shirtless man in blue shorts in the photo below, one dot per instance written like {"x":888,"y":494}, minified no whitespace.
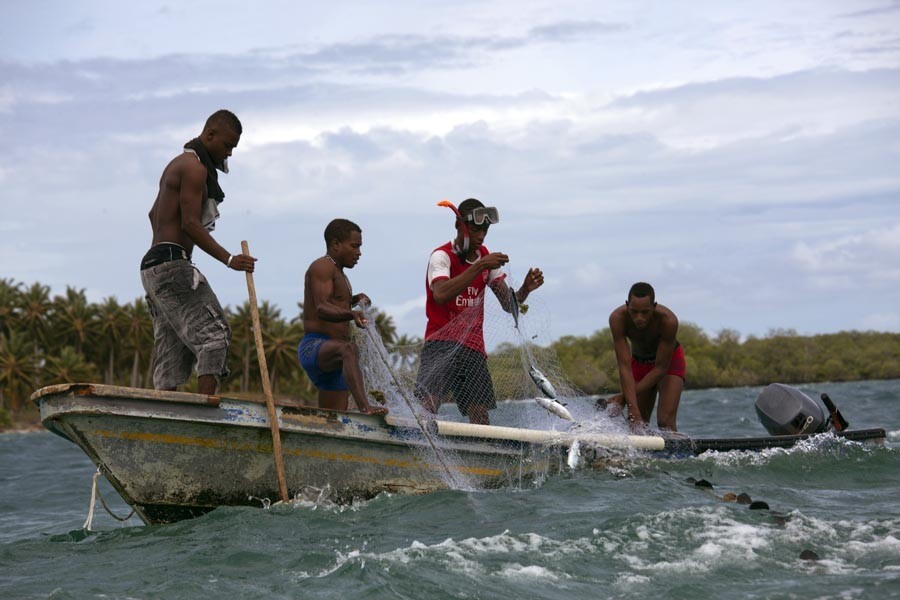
{"x":328,"y":355}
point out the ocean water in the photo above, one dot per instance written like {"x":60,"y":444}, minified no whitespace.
{"x":638,"y":530}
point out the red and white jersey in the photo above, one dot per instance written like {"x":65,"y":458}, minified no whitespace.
{"x":445,"y":263}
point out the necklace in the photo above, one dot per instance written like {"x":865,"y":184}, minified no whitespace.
{"x":346,"y":280}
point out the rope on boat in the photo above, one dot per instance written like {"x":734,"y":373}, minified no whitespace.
{"x":90,"y":518}
{"x":95,"y":494}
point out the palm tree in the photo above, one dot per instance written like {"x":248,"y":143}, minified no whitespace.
{"x":243,"y":342}
{"x":138,"y":335}
{"x":34,"y":312}
{"x":299,"y":317}
{"x":9,"y":302}
{"x":268,"y":314}
{"x":113,"y":323}
{"x":384,"y":324}
{"x":76,"y":319}
{"x":405,"y":351}
{"x":281,"y":340}
{"x":241,"y":321}
{"x":70,"y":366}
{"x":17,"y":369}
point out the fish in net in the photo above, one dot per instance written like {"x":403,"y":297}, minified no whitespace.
{"x":488,"y":356}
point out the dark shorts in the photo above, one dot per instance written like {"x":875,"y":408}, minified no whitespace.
{"x":452,"y":372}
{"x":308,"y":350}
{"x":189,"y":325}
{"x":677,"y":366}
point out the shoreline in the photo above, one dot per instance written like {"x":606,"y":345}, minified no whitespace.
{"x":24,"y":421}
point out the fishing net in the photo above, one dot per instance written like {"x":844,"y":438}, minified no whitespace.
{"x":437,"y":379}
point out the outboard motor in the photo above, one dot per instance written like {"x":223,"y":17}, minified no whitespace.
{"x":784,"y":410}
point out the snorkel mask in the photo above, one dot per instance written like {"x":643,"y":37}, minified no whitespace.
{"x":478,"y":216}
{"x":484,"y":214}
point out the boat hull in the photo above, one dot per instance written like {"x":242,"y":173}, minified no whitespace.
{"x":172,"y":460}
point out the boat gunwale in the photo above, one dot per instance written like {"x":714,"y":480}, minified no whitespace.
{"x":398,"y":431}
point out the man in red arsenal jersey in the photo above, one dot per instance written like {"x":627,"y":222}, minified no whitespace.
{"x":453,"y":363}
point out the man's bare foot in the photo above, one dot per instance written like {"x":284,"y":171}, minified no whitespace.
{"x":640,"y":428}
{"x":373,"y":410}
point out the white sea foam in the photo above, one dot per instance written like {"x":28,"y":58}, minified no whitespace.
{"x":886,"y":545}
{"x":812,"y":446}
{"x":466,"y":556}
{"x":657,"y":545}
{"x":628,"y":580}
{"x":686,"y":541}
{"x":517,"y":571}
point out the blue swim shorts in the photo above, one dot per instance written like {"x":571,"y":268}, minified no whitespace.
{"x":308,"y":350}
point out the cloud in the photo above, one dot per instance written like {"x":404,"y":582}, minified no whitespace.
{"x":868,"y":259}
{"x":733,"y":195}
{"x":566,"y":31}
{"x":878,"y":11}
{"x":702,"y":115}
{"x":402,"y":310}
{"x":266,"y":69}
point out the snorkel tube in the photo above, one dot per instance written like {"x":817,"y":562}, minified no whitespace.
{"x":465,"y":249}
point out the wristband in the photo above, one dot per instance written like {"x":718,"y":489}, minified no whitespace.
{"x":228,"y":263}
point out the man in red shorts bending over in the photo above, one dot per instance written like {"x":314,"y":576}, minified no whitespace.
{"x":653,"y":364}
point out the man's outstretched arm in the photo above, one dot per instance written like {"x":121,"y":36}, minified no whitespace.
{"x":193,"y":181}
{"x":623,"y":361}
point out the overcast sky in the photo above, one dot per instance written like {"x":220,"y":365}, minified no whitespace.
{"x":741,"y":157}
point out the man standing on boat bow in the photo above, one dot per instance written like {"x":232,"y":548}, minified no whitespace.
{"x":189,"y":325}
{"x":327,"y":354}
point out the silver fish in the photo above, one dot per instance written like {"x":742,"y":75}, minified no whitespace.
{"x":542,"y":382}
{"x":514,"y":306}
{"x":554,"y":407}
{"x":574,"y":457}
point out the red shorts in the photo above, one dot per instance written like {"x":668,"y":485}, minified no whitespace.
{"x":677,"y":366}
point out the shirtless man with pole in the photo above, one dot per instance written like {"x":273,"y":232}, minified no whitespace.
{"x":653,"y":364}
{"x":189,"y":325}
{"x":327,"y":354}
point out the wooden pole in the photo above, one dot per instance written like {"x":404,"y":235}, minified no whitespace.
{"x":264,"y":374}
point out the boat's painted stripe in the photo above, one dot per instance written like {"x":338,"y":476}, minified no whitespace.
{"x":217,"y":444}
